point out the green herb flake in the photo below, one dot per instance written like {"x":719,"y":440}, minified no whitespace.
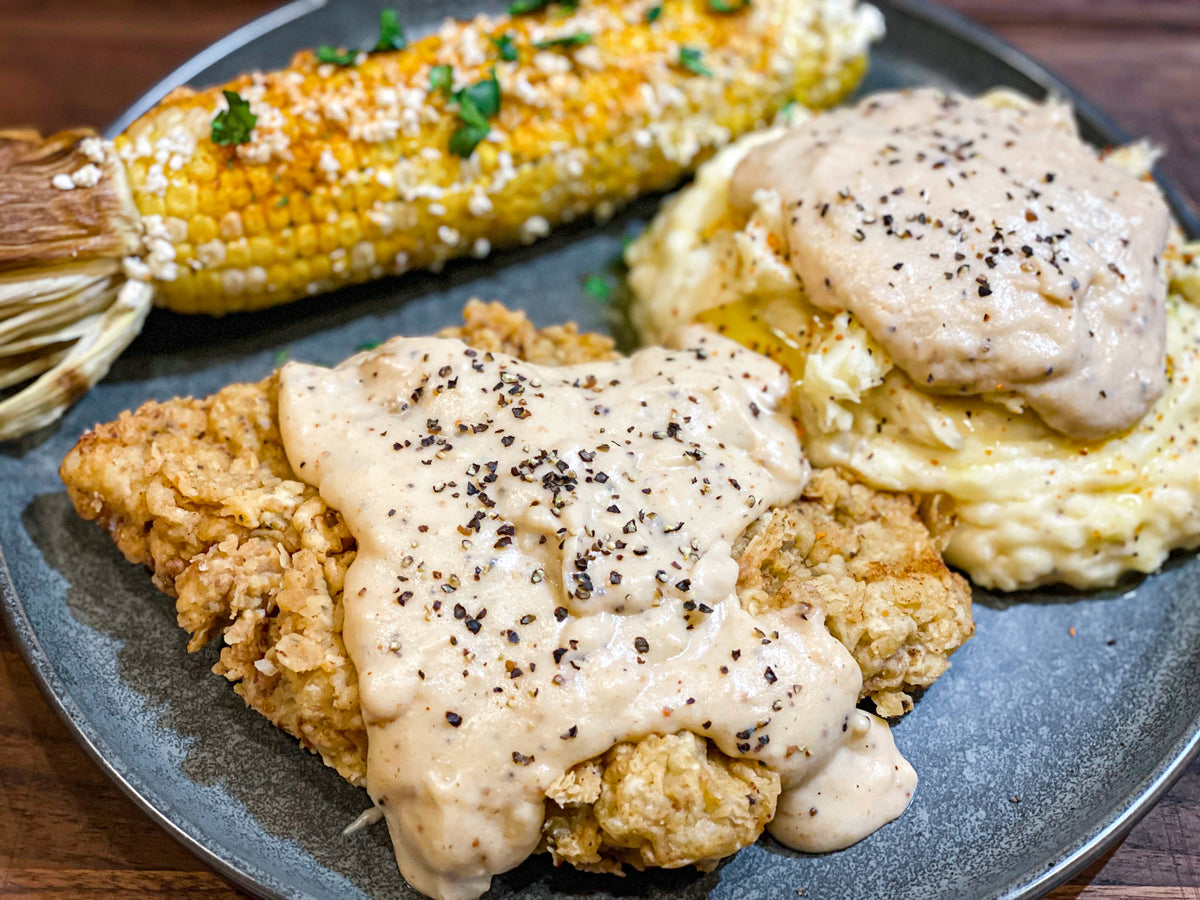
{"x":597,"y":287}
{"x":367,"y":345}
{"x":281,"y":355}
{"x":476,"y":104}
{"x":692,"y":59}
{"x":652,"y":14}
{"x":571,"y":40}
{"x":282,"y":201}
{"x":464,"y":141}
{"x":470,"y":114}
{"x":391,"y":33}
{"x":728,"y":6}
{"x":327,"y":54}
{"x":525,"y":7}
{"x":507,"y":47}
{"x":441,"y":78}
{"x":233,"y":125}
{"x":788,"y":111}
{"x":484,"y":95}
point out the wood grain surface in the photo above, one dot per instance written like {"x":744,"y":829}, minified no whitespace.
{"x":65,"y":831}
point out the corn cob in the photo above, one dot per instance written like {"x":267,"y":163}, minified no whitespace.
{"x":351,"y":167}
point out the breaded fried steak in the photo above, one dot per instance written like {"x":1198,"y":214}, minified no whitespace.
{"x":202,"y":493}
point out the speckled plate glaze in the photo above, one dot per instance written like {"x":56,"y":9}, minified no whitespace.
{"x":1036,"y":751}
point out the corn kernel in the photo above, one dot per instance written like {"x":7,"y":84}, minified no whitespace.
{"x":329,"y":237}
{"x":343,"y":198}
{"x":262,"y":250}
{"x":208,"y":287}
{"x":280,"y":276}
{"x":306,"y":241}
{"x":202,"y":229}
{"x":277,"y":215}
{"x":285,"y":244}
{"x":237,"y":254}
{"x":349,"y":230}
{"x":260,"y":181}
{"x":320,"y":268}
{"x":202,"y":168}
{"x":213,"y":202}
{"x":300,"y":208}
{"x":253,"y":220}
{"x":322,"y":206}
{"x":151,"y":205}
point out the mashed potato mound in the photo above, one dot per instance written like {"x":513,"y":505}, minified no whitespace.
{"x":1031,"y":506}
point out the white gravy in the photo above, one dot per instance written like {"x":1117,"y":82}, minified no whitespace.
{"x":984,"y":246}
{"x":544,"y":569}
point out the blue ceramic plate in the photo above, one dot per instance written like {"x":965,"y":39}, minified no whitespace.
{"x":1038,"y":750}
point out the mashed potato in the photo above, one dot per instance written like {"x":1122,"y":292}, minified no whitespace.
{"x":1032,"y":506}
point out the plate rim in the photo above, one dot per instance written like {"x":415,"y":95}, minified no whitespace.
{"x":58,"y":698}
{"x":245,"y":874}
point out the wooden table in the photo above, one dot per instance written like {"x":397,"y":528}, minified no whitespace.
{"x":65,"y":831}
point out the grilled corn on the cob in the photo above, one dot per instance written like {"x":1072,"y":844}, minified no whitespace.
{"x":351,"y":165}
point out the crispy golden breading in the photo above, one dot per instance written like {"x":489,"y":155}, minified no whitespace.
{"x":201,"y":492}
{"x":867,"y":560}
{"x":667,"y":800}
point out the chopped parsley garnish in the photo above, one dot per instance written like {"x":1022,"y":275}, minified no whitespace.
{"x":484,"y":95}
{"x":282,"y":201}
{"x":476,"y":104}
{"x":524,"y":7}
{"x":597,"y":287}
{"x":693,"y":60}
{"x":728,"y":6}
{"x":507,"y":47}
{"x":571,"y":40}
{"x":233,"y":125}
{"x":367,"y":345}
{"x":441,"y":78}
{"x":464,"y":141}
{"x":653,"y":13}
{"x":391,"y":33}
{"x":391,"y":37}
{"x":327,"y":54}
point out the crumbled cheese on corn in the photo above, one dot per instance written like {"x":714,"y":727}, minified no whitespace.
{"x":535,"y":227}
{"x":94,"y":149}
{"x":328,"y":164}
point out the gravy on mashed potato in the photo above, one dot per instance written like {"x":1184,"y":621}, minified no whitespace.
{"x":544,"y":570}
{"x":1031,"y":504}
{"x":985,"y":247}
